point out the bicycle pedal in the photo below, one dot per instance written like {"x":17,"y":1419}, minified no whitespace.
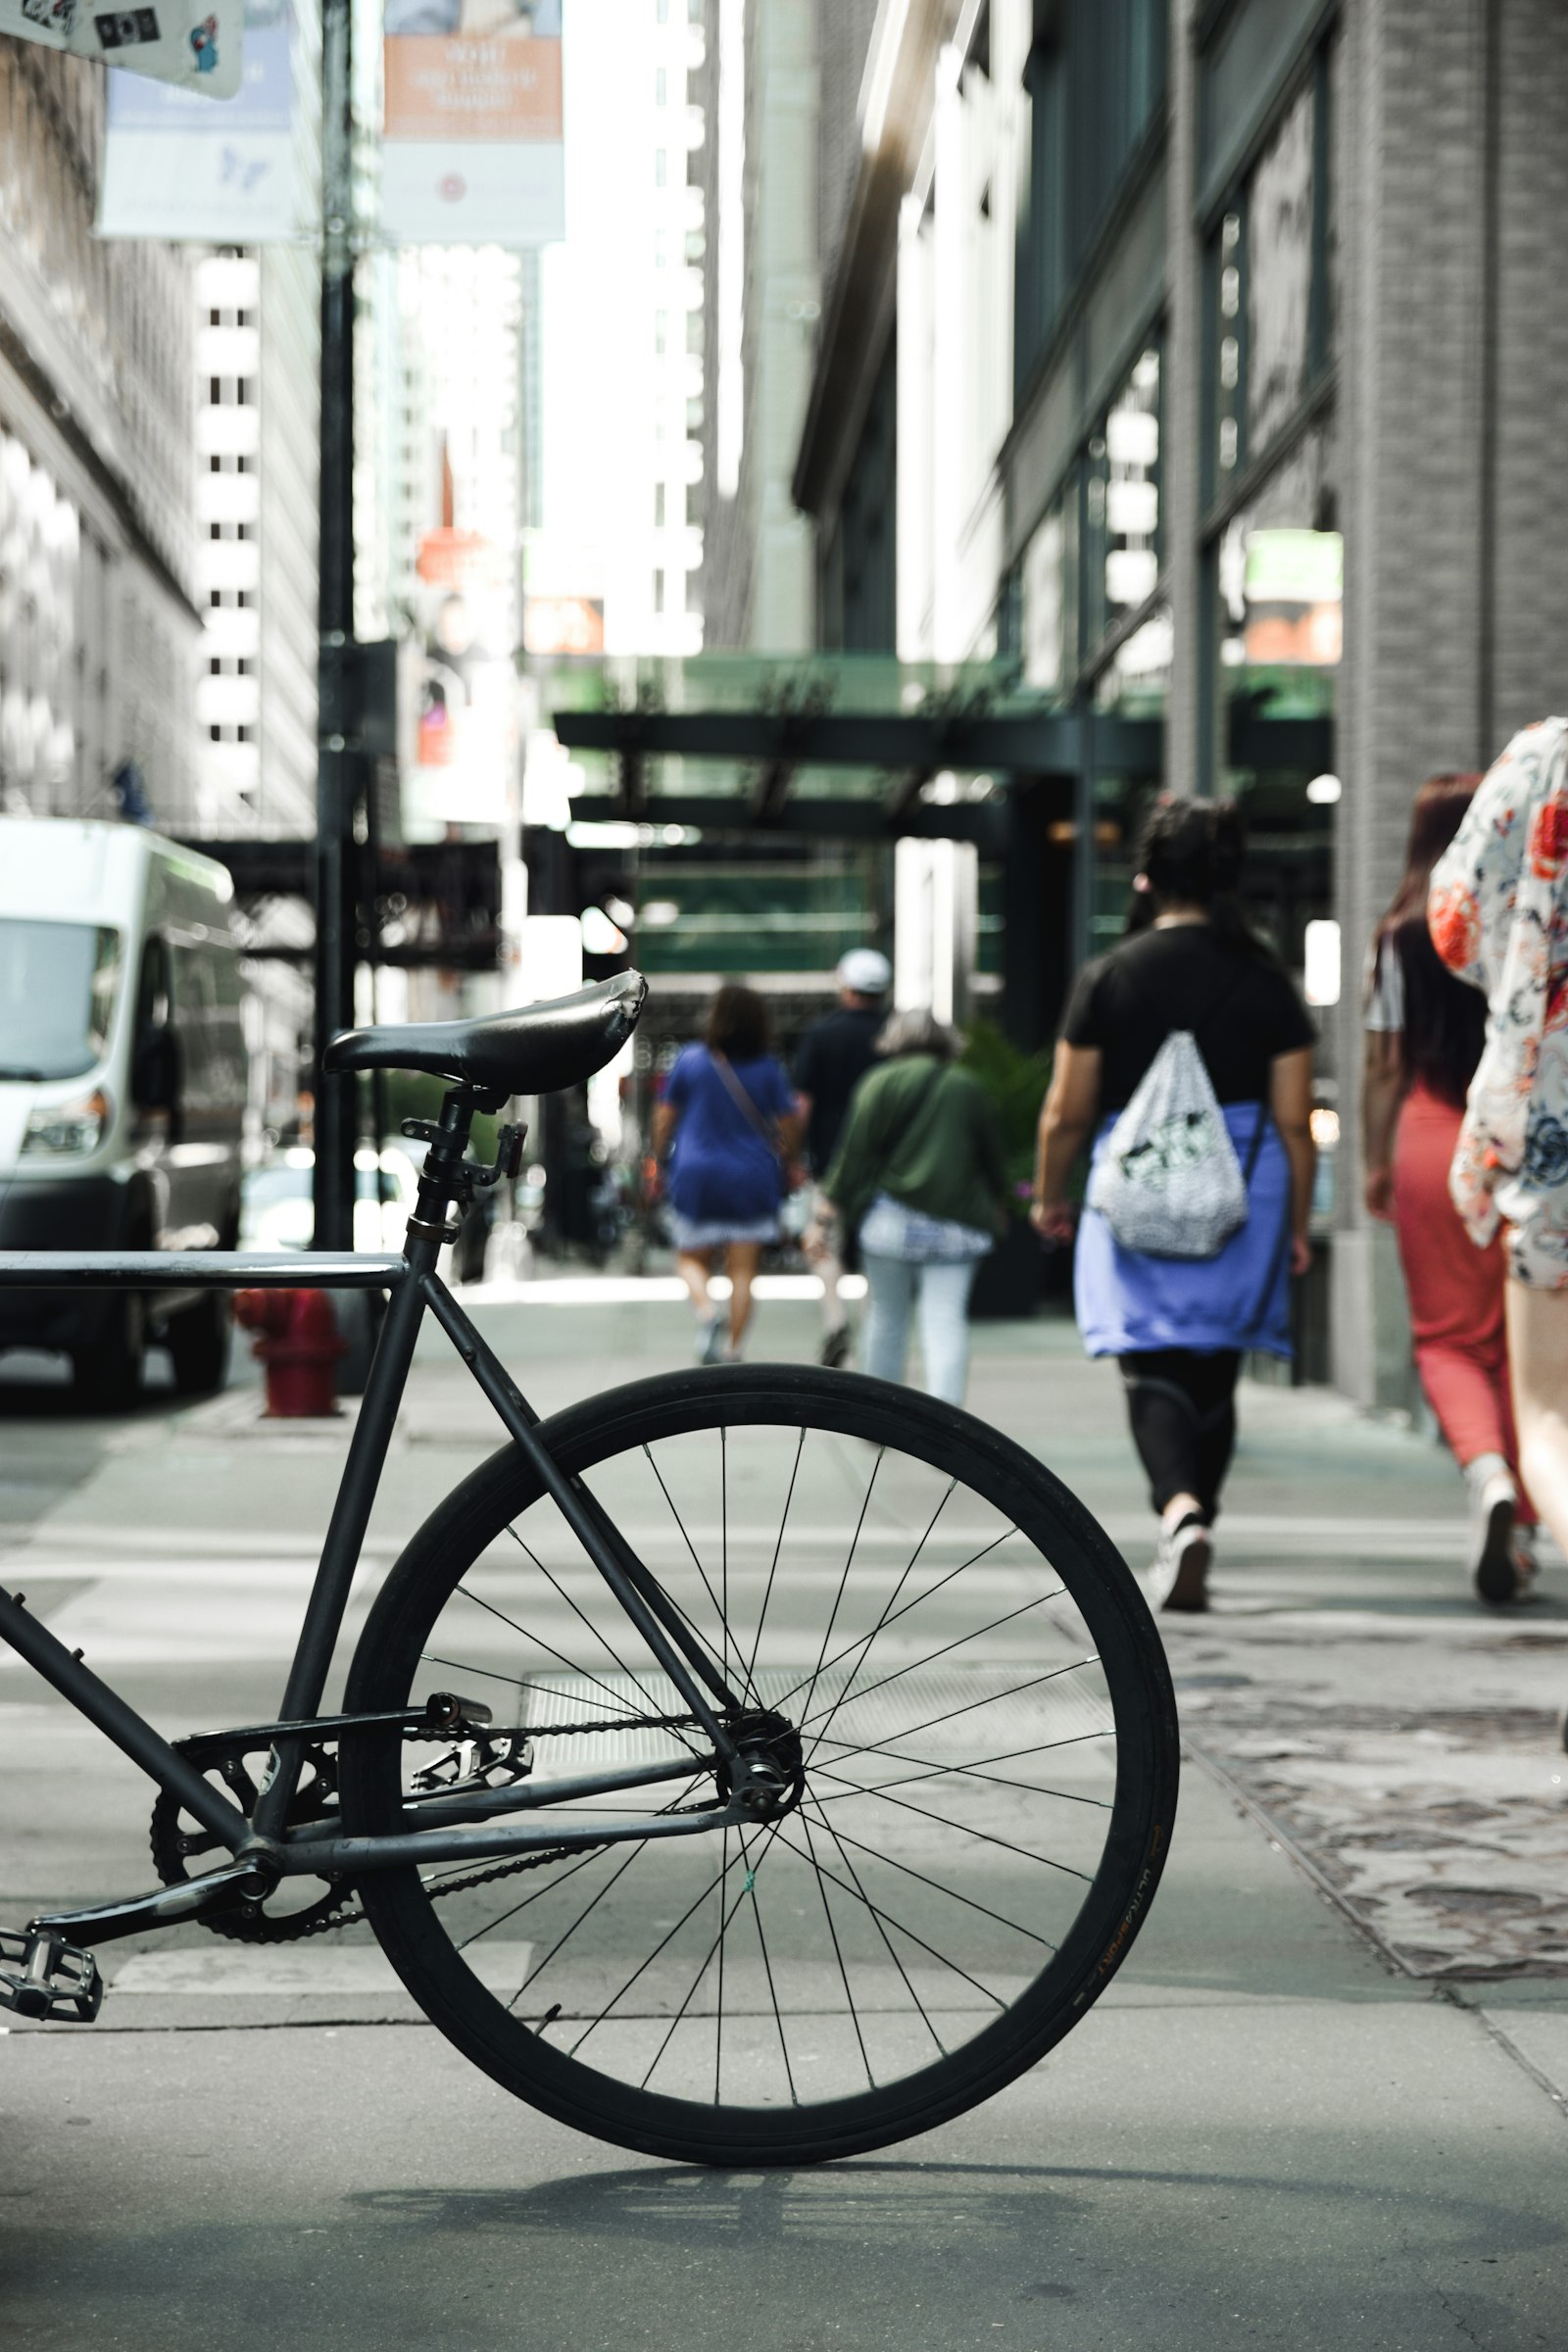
{"x":42,"y":1977}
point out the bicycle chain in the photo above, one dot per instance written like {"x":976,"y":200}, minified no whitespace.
{"x":326,"y":1921}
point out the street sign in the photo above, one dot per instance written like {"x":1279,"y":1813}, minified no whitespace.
{"x":195,"y":45}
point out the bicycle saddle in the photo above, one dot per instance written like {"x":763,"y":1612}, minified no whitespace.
{"x":535,"y":1049}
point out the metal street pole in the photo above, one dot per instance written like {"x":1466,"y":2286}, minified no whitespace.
{"x":337,"y":755}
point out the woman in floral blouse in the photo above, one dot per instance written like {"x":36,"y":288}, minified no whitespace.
{"x":1499,"y":917}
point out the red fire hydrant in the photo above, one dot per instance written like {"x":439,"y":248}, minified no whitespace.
{"x":298,"y":1341}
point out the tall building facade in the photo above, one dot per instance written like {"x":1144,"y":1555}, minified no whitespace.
{"x":98,"y":623}
{"x":1192,"y":363}
{"x":760,"y":89}
{"x":257,"y":359}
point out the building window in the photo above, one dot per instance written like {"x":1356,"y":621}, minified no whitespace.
{"x":660,"y":334}
{"x":661,"y":86}
{"x":659,"y":505}
{"x":1272,"y":287}
{"x":661,"y":168}
{"x":659,"y":592}
{"x":1095,"y":79}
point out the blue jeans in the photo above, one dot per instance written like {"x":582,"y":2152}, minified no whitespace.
{"x":943,"y":1291}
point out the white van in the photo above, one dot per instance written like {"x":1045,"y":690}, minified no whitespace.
{"x":122,"y":1084}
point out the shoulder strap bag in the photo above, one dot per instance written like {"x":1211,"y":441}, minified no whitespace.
{"x":1168,"y":1182}
{"x":754,"y":1119}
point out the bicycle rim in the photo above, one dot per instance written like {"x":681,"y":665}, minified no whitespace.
{"x":986,"y":1733}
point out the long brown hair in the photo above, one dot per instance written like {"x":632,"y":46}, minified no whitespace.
{"x":1445,"y":1021}
{"x":738,"y":1026}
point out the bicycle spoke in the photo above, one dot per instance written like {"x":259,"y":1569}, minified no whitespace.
{"x":767,"y":1965}
{"x":907,"y":1571}
{"x":876,"y":1921}
{"x":772,"y":1571}
{"x":833,"y":1933}
{"x":718,"y":2019}
{"x":1041,"y":1747}
{"x":880,"y":1911}
{"x":727,"y":1639}
{"x":615,"y":1701}
{"x":993,"y":1699}
{"x":952,"y":1893}
{"x":618,"y":1874}
{"x":965,"y":1829}
{"x":962,"y":1772}
{"x":849,"y":1647}
{"x":845,"y":1578}
{"x":604,"y":1642}
{"x":716,"y":1946}
{"x":644,"y":1965}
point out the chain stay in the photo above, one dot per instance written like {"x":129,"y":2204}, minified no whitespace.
{"x":214,"y":1747}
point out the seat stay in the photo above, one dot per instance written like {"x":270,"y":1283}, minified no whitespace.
{"x":634,"y":1586}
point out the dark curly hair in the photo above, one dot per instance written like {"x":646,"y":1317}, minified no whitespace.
{"x":1193,"y":853}
{"x":738,"y":1026}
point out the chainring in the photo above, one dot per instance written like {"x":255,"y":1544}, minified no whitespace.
{"x":252,"y":1923}
{"x":176,"y":1837}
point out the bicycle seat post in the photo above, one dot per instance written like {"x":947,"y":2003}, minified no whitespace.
{"x":444,"y":1179}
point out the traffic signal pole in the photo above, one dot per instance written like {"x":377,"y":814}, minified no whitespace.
{"x":337,"y":770}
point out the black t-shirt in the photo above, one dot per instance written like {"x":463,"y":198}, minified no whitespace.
{"x":1242,"y":1009}
{"x":828,"y":1063}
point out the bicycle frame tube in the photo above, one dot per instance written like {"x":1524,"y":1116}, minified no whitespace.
{"x":412,"y":1282}
{"x":638,"y":1592}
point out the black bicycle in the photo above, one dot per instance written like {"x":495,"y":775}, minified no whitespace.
{"x":751,"y":1765}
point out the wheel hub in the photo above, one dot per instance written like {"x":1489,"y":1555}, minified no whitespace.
{"x":768,"y":1774}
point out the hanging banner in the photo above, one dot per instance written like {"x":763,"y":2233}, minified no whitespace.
{"x":176,"y":169}
{"x":195,"y":45}
{"x":471,"y":128}
{"x":459,"y":756}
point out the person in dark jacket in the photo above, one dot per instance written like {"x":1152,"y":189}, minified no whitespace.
{"x":920,"y":1175}
{"x":831,"y":1059}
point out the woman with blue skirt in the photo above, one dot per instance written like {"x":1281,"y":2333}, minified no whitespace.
{"x":1179,"y":1326}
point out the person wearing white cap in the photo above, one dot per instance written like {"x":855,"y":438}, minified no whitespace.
{"x":829,"y":1062}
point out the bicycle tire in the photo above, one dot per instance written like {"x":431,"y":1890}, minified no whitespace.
{"x":843,"y":1413}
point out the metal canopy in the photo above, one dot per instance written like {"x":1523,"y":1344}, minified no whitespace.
{"x":911,"y":747}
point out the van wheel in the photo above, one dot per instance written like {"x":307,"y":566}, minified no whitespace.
{"x":198,"y":1341}
{"x":108,"y":1377}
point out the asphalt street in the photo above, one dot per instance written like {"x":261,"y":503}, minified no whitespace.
{"x":1322,"y":2104}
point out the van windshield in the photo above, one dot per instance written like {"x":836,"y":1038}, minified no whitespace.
{"x":58,"y":985}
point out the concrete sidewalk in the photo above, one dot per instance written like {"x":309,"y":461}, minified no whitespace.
{"x":1280,"y":2127}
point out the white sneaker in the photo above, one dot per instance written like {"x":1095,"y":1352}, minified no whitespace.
{"x":1494,"y":1503}
{"x":710,"y":1339}
{"x":1182,"y":1564}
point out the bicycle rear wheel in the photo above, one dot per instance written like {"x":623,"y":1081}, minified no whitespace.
{"x":987,"y":1734}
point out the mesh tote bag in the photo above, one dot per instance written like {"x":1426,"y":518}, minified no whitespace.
{"x":1168,"y":1182}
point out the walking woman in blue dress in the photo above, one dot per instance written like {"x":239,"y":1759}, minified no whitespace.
{"x":1180,"y":1326}
{"x":730,"y":1124}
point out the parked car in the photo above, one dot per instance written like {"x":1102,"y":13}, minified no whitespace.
{"x":122,"y":1086}
{"x":276,"y":1213}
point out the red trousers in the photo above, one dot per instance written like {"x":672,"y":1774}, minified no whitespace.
{"x":1455,"y":1290}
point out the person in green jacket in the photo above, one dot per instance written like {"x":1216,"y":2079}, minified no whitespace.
{"x":918,"y":1173}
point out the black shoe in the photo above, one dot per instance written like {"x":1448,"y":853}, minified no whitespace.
{"x":836,"y":1349}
